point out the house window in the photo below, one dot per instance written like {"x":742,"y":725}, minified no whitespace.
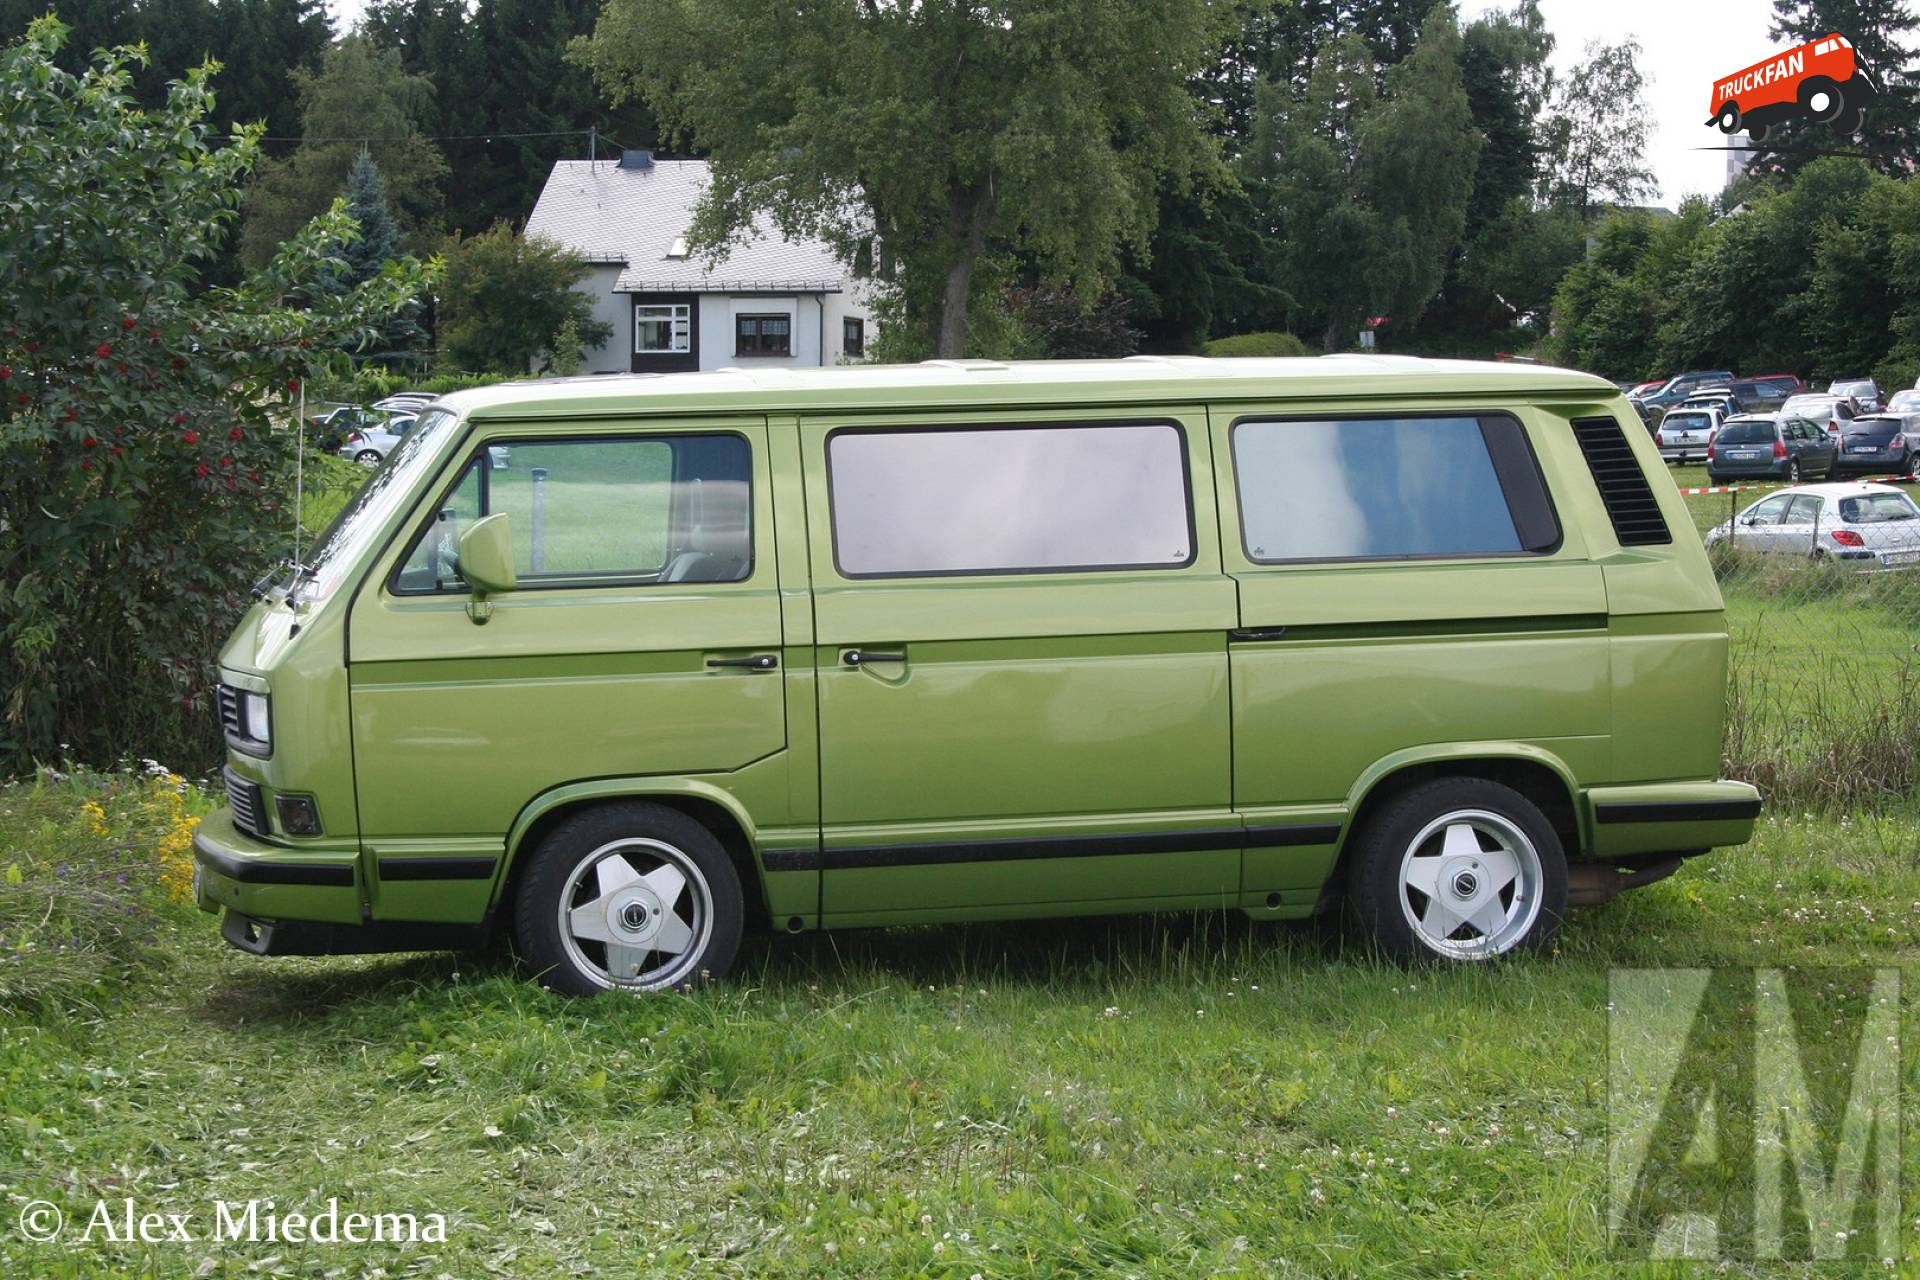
{"x":763,"y":335}
{"x":853,"y":336}
{"x":662,"y":328}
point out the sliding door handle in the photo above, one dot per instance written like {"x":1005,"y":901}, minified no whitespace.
{"x":1256,"y":634}
{"x":758,"y":662}
{"x":860,"y":657}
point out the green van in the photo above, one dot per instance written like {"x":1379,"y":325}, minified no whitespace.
{"x":627,"y":665}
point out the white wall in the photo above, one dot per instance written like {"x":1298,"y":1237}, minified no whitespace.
{"x":613,"y":309}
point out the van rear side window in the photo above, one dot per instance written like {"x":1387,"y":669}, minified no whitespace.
{"x":1389,"y":488}
{"x":1036,"y":499}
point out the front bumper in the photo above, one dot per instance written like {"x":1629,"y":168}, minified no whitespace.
{"x":267,"y":881}
{"x":1671,"y":817}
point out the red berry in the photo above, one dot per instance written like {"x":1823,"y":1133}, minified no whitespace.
{"x":117,"y":451}
{"x":89,"y":442}
{"x":127,"y":322}
{"x":201,"y":470}
{"x":104,"y":350}
{"x":232,"y":483}
{"x":235,"y":434}
{"x":86,"y":464}
{"x":179,"y":418}
{"x":6,"y":371}
{"x":293,"y":384}
{"x":33,"y":346}
{"x":191,"y":437}
{"x":226,"y":461}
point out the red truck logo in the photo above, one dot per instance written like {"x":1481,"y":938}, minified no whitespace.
{"x":1822,"y":80}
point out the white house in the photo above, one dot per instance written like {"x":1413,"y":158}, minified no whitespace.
{"x":769,"y":301}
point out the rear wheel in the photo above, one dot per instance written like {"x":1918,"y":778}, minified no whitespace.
{"x":629,"y":897}
{"x":1458,"y":869}
{"x":1793,"y":471}
{"x":367,"y":458}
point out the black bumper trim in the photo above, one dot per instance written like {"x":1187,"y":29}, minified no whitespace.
{"x":398,"y":869}
{"x":250,"y":871}
{"x":1677,"y":811}
{"x":304,"y":938}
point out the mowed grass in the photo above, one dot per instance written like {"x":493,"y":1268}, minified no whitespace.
{"x":1172,"y":1096}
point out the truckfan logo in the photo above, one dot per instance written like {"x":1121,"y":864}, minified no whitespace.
{"x":1822,"y":81}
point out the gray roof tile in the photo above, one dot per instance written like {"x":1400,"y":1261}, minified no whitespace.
{"x":607,"y":214}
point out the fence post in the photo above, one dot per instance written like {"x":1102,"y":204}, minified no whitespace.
{"x":538,"y":562}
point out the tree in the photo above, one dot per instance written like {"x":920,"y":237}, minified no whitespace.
{"x":365,"y":254}
{"x":144,"y":482}
{"x":506,"y":299}
{"x":1883,"y":33}
{"x":360,"y":99}
{"x":1597,"y":139}
{"x":918,"y":138}
{"x":1363,"y":198}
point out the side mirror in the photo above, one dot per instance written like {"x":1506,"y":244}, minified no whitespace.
{"x":486,"y":555}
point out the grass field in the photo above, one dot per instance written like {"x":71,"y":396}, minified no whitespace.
{"x":1172,"y":1096}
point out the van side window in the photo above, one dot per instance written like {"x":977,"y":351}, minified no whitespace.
{"x":1389,"y":488}
{"x":1019,"y":499}
{"x":598,"y":511}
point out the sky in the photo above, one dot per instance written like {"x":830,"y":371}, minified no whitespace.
{"x":1688,"y":44}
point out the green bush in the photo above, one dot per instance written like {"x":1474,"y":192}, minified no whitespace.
{"x":1258,"y":344}
{"x":143,"y":481}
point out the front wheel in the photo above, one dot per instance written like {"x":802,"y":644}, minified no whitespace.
{"x":1729,"y":118}
{"x":629,"y":897}
{"x":367,"y":458}
{"x":1458,"y":869}
{"x":1793,"y":471}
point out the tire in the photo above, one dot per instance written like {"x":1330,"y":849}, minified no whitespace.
{"x":641,"y":864}
{"x":368,"y":457}
{"x":1728,"y":119}
{"x":1793,"y":471}
{"x":1757,"y":133}
{"x":1818,"y":86}
{"x":1851,"y":117}
{"x":1486,"y":847}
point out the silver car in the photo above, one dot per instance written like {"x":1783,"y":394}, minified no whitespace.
{"x":1686,"y":432}
{"x":370,"y":445}
{"x":1875,"y":525}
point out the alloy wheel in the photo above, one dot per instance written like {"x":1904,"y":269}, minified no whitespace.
{"x":1471,"y":884}
{"x":636,"y":914}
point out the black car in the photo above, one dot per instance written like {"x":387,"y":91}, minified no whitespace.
{"x":1770,"y":447}
{"x":1881,"y":444}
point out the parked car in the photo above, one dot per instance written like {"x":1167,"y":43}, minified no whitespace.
{"x":1870,"y":523}
{"x":1881,"y":444}
{"x":1686,"y":432}
{"x":406,"y":401}
{"x":328,"y":431}
{"x":1714,"y":398}
{"x":1681,"y":386}
{"x":1640,"y":389}
{"x":1762,"y":395}
{"x":370,"y":445}
{"x":1016,"y":616}
{"x":1905,"y":402}
{"x":1864,"y":392}
{"x":1831,"y":412}
{"x":1770,"y":446}
{"x":1789,"y":383}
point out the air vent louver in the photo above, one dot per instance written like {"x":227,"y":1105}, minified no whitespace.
{"x":1631,"y":506}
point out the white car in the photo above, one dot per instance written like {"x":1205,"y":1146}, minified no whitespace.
{"x":1686,"y":432}
{"x":369,"y":446}
{"x":1905,"y":401}
{"x":1829,"y":411}
{"x":1874,"y":524}
{"x":405,"y":402}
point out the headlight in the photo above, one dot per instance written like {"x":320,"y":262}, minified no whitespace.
{"x":258,"y":722}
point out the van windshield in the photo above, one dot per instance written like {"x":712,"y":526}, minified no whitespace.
{"x":347,"y":535}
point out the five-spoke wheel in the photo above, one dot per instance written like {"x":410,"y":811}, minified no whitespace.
{"x":1458,"y":869}
{"x":629,"y":897}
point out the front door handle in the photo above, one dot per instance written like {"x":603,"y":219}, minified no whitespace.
{"x":860,"y":657}
{"x":758,"y":662}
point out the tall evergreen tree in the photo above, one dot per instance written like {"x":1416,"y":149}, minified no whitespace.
{"x":399,"y":337}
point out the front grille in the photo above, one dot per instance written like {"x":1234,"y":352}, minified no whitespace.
{"x":1629,"y":499}
{"x":249,"y":807}
{"x":230,"y":711}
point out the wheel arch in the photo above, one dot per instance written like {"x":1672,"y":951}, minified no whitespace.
{"x":714,"y":808}
{"x":1534,"y":772}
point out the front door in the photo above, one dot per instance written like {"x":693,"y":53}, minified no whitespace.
{"x":644,"y":636}
{"x":1022,"y":666}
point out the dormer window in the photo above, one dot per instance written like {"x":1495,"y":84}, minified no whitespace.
{"x":678,"y":249}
